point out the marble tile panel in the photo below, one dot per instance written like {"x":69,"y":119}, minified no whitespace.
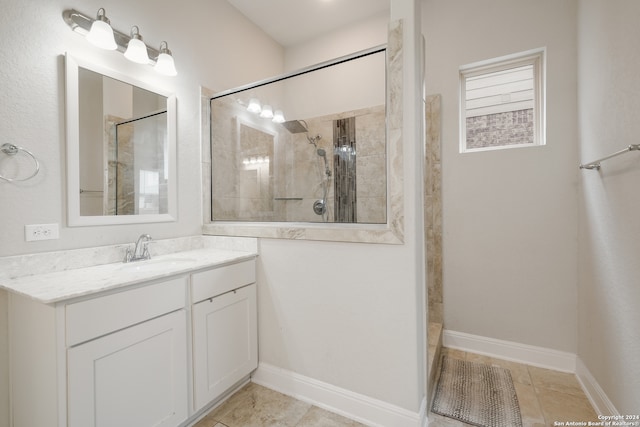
{"x":232,"y":402}
{"x":371,"y":177}
{"x":434,"y":330}
{"x":316,"y":417}
{"x":453,"y":353}
{"x":371,"y":210}
{"x":207,"y":421}
{"x":262,"y":407}
{"x":563,"y":407}
{"x":545,"y":379}
{"x":436,"y":311}
{"x":530,"y":409}
{"x":436,"y":420}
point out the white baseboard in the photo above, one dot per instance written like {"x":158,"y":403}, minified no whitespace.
{"x":508,"y":350}
{"x":352,"y":405}
{"x":536,"y":356}
{"x":594,"y":392}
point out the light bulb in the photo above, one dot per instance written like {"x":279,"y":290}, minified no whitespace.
{"x":101,"y":33}
{"x":266,"y":112}
{"x":136,"y":49}
{"x":164,"y":63}
{"x":254,"y":106}
{"x":278,"y":117}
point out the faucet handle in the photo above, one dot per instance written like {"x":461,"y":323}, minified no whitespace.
{"x":128,"y":255}
{"x":145,"y":250}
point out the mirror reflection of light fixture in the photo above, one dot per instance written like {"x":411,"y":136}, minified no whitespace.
{"x":278,"y":117}
{"x":165,"y":64}
{"x":101,"y":33}
{"x":254,"y":106}
{"x":136,"y":49}
{"x":266,"y":112}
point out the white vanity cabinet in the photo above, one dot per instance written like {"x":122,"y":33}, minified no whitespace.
{"x":137,"y":374}
{"x":225,"y":337}
{"x":156,"y":352}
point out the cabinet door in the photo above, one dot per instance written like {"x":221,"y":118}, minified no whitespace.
{"x":225,"y":342}
{"x":135,"y":377}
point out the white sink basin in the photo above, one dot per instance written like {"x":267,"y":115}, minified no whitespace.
{"x":156,"y":264}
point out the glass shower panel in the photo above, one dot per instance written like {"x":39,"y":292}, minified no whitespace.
{"x":300,"y":164}
{"x":136,"y":178}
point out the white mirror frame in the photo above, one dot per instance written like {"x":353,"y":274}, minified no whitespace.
{"x":72,"y":64}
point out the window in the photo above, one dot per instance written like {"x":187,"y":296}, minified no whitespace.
{"x":502,"y":102}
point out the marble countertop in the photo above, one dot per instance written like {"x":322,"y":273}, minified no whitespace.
{"x":50,"y":288}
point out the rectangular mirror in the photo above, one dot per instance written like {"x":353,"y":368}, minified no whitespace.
{"x":305,"y":147}
{"x":121,"y":148}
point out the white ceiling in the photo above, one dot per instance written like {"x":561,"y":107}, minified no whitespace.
{"x":292,"y":21}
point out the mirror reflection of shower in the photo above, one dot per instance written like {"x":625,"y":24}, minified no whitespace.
{"x":320,"y":206}
{"x":136,"y":171}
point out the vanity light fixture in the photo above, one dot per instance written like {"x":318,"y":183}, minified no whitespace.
{"x":267,"y":112}
{"x":278,"y":117}
{"x":132,"y":46}
{"x":254,"y":106}
{"x":136,"y":49}
{"x":165,"y":64}
{"x":101,"y":33}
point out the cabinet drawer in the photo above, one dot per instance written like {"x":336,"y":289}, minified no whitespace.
{"x":96,"y":317}
{"x":217,"y":281}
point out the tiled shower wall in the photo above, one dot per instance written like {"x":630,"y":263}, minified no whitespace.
{"x":433,"y":208}
{"x":288,"y":193}
{"x":305,"y":168}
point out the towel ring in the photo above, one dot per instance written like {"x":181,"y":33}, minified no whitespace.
{"x":12,"y":150}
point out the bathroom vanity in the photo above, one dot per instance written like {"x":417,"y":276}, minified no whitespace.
{"x":151,"y":343}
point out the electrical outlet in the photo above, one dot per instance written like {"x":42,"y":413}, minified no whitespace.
{"x":41,"y":232}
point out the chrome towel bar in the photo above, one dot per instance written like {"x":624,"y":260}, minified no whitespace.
{"x":596,"y":163}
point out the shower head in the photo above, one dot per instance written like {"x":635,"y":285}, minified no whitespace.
{"x":295,"y":126}
{"x":321,"y":152}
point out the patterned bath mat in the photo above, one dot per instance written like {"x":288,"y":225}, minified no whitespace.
{"x":476,"y":394}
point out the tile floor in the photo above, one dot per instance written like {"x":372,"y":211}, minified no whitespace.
{"x":545,"y":396}
{"x":257,"y":406}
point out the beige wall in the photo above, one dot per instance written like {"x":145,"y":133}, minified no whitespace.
{"x":609,"y":239}
{"x":510,"y":237}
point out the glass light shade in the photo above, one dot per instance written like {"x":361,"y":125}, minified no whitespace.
{"x":278,"y":117}
{"x":266,"y":112}
{"x":165,"y":65}
{"x":101,"y":35}
{"x":254,"y":106}
{"x":137,"y":51}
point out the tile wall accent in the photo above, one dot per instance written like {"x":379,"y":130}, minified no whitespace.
{"x":433,"y":208}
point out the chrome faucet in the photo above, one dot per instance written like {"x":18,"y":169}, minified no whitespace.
{"x":141,"y":250}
